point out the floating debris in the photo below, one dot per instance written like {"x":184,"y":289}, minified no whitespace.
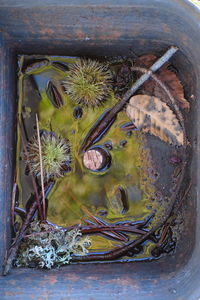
{"x":36,"y":64}
{"x":60,"y":65}
{"x":118,"y":200}
{"x":97,"y":131}
{"x":54,"y":95}
{"x":175,"y":160}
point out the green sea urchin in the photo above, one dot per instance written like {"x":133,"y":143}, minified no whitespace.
{"x":55,"y":155}
{"x":88,"y":82}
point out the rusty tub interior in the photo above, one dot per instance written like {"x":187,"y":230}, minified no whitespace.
{"x":58,"y":32}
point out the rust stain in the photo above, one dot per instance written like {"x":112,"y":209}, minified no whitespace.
{"x":12,"y":282}
{"x":113,"y":36}
{"x":124,"y":281}
{"x":79,"y":34}
{"x":47,"y":31}
{"x":92,"y":277}
{"x":50,"y":279}
{"x":166,"y":28}
{"x":72,"y":277}
{"x":9,"y":293}
{"x":44,"y":296}
{"x":142,"y":42}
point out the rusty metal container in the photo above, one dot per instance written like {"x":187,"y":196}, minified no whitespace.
{"x":101,"y":28}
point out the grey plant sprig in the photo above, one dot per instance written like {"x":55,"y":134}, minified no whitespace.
{"x":47,"y":246}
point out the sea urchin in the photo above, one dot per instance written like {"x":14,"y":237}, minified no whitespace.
{"x":88,"y":82}
{"x":55,"y":155}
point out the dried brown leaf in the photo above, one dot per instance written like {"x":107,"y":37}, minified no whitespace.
{"x":167,"y":77}
{"x":151,"y":115}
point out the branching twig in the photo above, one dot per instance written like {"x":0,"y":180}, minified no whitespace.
{"x":23,"y":138}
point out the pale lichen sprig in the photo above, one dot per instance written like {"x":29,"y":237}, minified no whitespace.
{"x":47,"y":246}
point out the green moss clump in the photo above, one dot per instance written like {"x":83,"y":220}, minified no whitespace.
{"x":46,"y":246}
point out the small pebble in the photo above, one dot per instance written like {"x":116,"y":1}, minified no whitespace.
{"x":66,"y":169}
{"x":102,"y":213}
{"x":176,"y":172}
{"x":175,"y":160}
{"x":123,"y":143}
{"x":108,"y":145}
{"x":129,"y":133}
{"x":78,"y":112}
{"x":27,"y":171}
{"x":17,"y":226}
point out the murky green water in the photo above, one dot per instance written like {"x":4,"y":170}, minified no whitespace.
{"x":82,"y":193}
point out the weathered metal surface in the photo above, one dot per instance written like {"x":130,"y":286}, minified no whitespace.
{"x":101,"y":28}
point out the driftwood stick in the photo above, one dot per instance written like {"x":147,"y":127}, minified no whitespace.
{"x":119,"y":105}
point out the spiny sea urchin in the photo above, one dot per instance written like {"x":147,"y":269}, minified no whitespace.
{"x":88,"y":82}
{"x":55,"y":155}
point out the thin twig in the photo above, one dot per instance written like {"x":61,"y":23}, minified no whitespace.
{"x":23,"y":138}
{"x":94,"y":229}
{"x":41,"y":168}
{"x":14,"y":192}
{"x":112,"y":233}
{"x":176,"y":209}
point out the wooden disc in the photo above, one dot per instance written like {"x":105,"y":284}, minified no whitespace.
{"x":93,"y":160}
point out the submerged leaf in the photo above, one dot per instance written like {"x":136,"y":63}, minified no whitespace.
{"x":167,"y":77}
{"x":150,"y":114}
